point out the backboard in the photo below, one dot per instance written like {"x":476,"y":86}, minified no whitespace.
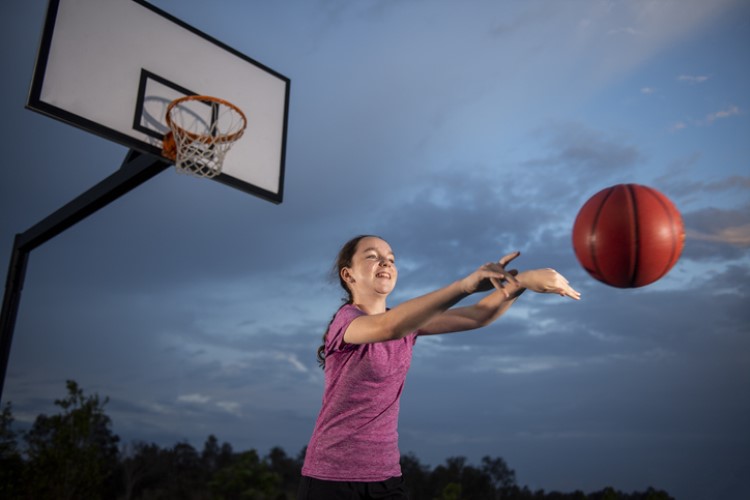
{"x":111,"y":67}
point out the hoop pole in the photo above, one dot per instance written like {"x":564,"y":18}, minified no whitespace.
{"x":136,"y":169}
{"x":11,"y":300}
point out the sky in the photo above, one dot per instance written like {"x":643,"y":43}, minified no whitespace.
{"x":457,"y":131}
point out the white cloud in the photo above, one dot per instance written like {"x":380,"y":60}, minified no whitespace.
{"x":677,"y":126}
{"x":193,"y":398}
{"x":520,"y":365}
{"x":292,"y":360}
{"x":738,"y":236}
{"x":726,"y":113}
{"x":708,"y":120}
{"x":627,"y":31}
{"x":230,"y":407}
{"x":694,"y":79}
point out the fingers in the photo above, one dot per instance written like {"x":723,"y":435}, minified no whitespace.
{"x":573,"y":294}
{"x":494,"y":275}
{"x":504,"y":274}
{"x":568,"y":291}
{"x":565,"y":290}
{"x":548,"y":280}
{"x":504,"y":261}
{"x":499,"y":286}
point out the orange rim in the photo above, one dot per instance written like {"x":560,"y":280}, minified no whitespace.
{"x":204,"y":137}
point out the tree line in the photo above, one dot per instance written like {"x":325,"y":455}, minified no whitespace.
{"x":75,"y":455}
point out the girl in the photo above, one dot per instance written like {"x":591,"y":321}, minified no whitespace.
{"x":366,"y":352}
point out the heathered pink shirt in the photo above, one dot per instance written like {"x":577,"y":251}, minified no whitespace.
{"x":355,"y":436}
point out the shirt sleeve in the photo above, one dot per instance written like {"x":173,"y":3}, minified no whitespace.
{"x":342,"y":320}
{"x":414,"y":335}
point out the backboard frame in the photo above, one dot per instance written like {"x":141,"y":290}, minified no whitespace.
{"x":149,"y":76}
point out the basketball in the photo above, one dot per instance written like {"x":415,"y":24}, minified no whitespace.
{"x":628,"y":235}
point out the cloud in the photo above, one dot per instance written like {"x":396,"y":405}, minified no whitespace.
{"x":579,"y":147}
{"x":714,"y":233}
{"x":193,"y":398}
{"x":629,"y":30}
{"x":694,"y":79}
{"x":231,"y":407}
{"x":688,"y":187}
{"x":737,"y":236}
{"x":293,"y":361}
{"x":737,"y":182}
{"x":648,"y":90}
{"x":708,"y":120}
{"x":714,"y":225}
{"x":677,"y":126}
{"x":516,"y":365}
{"x":578,"y":159}
{"x":726,"y":113}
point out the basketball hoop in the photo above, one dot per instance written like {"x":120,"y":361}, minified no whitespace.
{"x":202,"y":130}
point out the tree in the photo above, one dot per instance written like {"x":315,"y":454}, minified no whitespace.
{"x":215,"y":457}
{"x":451,"y":491}
{"x":607,"y":493}
{"x":459,"y":480}
{"x":287,"y":468}
{"x":72,"y":454}
{"x":444,"y":475}
{"x":503,"y":477}
{"x":186,"y":477}
{"x":11,"y":463}
{"x":416,"y":477}
{"x":248,"y":478}
{"x":143,"y":467}
{"x":652,"y":494}
{"x":476,"y":483}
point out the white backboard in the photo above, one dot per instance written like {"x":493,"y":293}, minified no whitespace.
{"x":112,"y":66}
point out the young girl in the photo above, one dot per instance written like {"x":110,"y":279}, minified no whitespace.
{"x":366,"y":352}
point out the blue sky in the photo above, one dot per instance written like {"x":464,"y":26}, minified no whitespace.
{"x":458,"y":132}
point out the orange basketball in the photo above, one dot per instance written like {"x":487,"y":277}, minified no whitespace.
{"x":628,"y":235}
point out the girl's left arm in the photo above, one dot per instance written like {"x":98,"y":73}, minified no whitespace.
{"x":494,"y":305}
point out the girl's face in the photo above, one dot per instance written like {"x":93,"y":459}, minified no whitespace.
{"x":373,"y":268}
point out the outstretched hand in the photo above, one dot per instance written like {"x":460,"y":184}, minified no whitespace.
{"x":491,"y":274}
{"x":547,"y":281}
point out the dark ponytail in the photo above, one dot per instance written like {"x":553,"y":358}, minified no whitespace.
{"x":344,"y":259}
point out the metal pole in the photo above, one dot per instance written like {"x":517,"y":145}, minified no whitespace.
{"x":136,"y":169}
{"x":11,"y":300}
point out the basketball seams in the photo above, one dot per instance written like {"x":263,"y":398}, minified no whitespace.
{"x":634,"y":227}
{"x":591,"y":239}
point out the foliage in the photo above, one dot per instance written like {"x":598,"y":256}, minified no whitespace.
{"x":11,"y":463}
{"x":74,"y":454}
{"x":247,"y":477}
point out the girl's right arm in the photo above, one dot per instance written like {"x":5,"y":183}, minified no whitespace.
{"x":409,"y":316}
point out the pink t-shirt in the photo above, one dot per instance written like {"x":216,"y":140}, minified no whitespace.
{"x":355,"y":436}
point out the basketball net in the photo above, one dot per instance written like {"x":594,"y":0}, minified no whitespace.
{"x":202,"y":130}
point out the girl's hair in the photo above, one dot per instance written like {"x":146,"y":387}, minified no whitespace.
{"x":343,"y":259}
